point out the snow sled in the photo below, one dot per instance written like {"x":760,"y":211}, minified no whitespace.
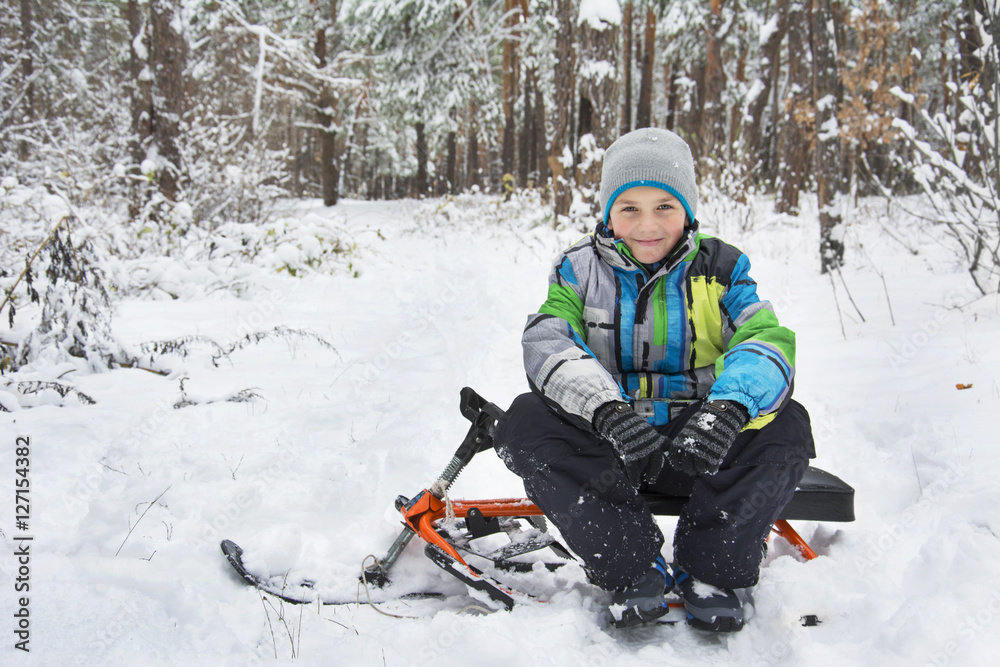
{"x":453,"y":530}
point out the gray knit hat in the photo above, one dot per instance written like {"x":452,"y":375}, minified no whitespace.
{"x":649,"y":156}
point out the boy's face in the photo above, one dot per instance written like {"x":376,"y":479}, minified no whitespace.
{"x":649,"y":220}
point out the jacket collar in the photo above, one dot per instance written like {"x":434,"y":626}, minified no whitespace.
{"x":617,"y":254}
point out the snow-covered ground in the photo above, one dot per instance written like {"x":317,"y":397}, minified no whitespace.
{"x":296,"y":450}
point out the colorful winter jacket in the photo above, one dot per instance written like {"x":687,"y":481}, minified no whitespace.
{"x":609,"y":331}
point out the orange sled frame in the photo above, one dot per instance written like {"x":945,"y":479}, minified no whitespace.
{"x":449,"y":528}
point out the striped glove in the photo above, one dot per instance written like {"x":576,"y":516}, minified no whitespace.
{"x":702,"y":443}
{"x":638,"y":445}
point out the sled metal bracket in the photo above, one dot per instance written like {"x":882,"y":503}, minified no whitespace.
{"x":479,"y":526}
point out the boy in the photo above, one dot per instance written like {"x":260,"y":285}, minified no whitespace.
{"x":654,"y":365}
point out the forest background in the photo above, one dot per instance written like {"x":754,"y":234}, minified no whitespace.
{"x":173,"y":118}
{"x":200,"y":169}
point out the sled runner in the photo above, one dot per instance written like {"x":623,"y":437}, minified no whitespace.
{"x":452,"y":529}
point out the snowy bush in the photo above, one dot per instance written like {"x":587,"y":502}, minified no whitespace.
{"x":65,"y":264}
{"x":968,"y":209}
{"x":230,"y":179}
{"x":63,"y":274}
{"x":76,"y":307}
{"x":956,"y":156}
{"x":522,"y":210}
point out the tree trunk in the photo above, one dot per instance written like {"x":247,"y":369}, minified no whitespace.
{"x":793,"y":149}
{"x":752,"y":133}
{"x":970,"y":44}
{"x":421,"y":184}
{"x":670,"y":76}
{"x":598,"y":87}
{"x":539,"y":163}
{"x":472,"y":150}
{"x":563,"y":101}
{"x":27,"y":70}
{"x":712,"y":133}
{"x":508,"y":152}
{"x":329,"y":175}
{"x":644,"y":108}
{"x":294,"y":153}
{"x":168,"y":60}
{"x":944,"y":68}
{"x":509,"y":85}
{"x":142,"y":94}
{"x":585,"y":117}
{"x":451,"y":163}
{"x":628,"y":56}
{"x":140,"y":101}
{"x":599,"y":108}
{"x":525,"y":146}
{"x":830,"y":186}
{"x":735,"y":112}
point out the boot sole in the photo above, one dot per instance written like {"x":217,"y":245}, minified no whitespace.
{"x":717,"y":624}
{"x":635,"y":616}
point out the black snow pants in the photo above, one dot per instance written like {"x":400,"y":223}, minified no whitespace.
{"x":576,"y":479}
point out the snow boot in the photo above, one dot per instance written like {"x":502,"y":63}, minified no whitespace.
{"x":711,"y":608}
{"x":643,"y":601}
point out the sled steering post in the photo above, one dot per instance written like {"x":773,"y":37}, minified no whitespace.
{"x":484,"y":416}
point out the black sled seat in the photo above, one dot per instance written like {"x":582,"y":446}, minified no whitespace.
{"x":820,"y":496}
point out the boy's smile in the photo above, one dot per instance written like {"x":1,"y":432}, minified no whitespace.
{"x":649,"y":220}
